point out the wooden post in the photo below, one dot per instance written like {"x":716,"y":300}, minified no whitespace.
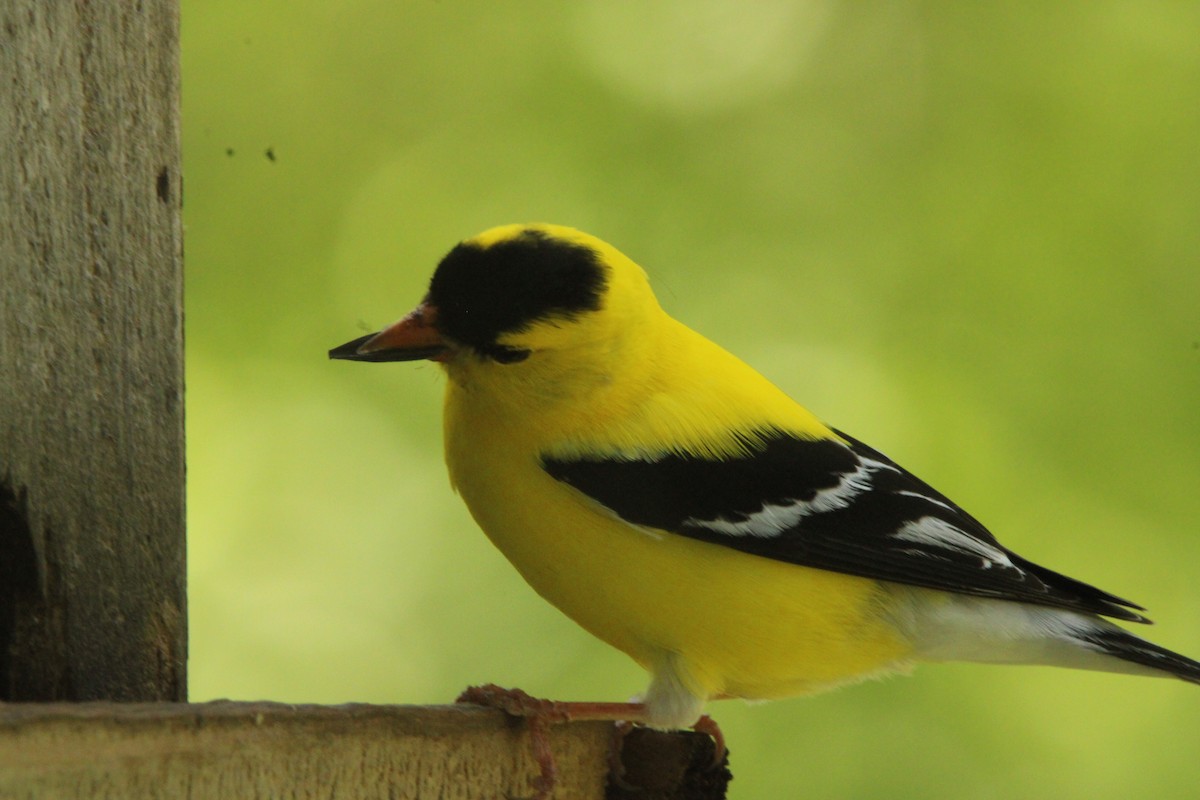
{"x":92,"y":574}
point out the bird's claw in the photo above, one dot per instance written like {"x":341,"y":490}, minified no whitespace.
{"x":538,"y":714}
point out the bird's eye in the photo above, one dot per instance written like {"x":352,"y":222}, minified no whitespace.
{"x":503,"y":354}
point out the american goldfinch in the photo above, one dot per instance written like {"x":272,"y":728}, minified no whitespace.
{"x":679,"y":506}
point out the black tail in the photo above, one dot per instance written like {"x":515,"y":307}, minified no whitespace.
{"x":1126,"y":646}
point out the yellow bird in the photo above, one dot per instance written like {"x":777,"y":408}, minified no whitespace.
{"x":679,"y":506}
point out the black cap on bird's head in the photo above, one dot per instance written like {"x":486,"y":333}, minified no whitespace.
{"x":484,"y":290}
{"x":500,"y":282}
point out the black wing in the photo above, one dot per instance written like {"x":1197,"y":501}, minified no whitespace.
{"x":840,"y":506}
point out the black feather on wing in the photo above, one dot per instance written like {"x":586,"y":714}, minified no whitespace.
{"x":833,"y":505}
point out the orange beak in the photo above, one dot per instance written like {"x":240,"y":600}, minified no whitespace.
{"x":411,"y":339}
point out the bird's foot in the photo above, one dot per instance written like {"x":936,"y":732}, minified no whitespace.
{"x":708,"y":725}
{"x":540,"y":713}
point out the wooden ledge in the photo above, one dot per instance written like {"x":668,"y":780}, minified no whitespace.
{"x":266,"y":750}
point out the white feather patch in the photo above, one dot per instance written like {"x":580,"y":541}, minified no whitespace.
{"x":772,"y":520}
{"x":951,"y":627}
{"x":926,"y":498}
{"x":936,"y":532}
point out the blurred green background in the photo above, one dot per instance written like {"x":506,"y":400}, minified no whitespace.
{"x":965,"y":233}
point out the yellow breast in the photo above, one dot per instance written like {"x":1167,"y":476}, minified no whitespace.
{"x":742,"y":625}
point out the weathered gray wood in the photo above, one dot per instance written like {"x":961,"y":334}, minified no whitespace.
{"x":92,"y":574}
{"x":270,"y":750}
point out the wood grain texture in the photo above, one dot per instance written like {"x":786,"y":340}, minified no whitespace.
{"x":92,"y":600}
{"x":271,"y":750}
